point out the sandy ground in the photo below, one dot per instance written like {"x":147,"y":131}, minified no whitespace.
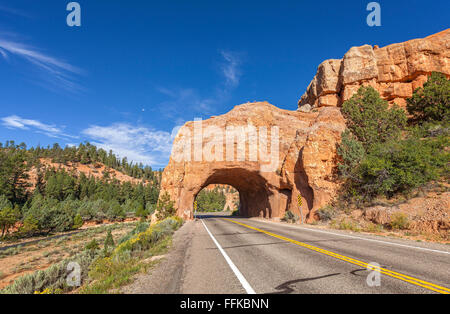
{"x":46,"y":252}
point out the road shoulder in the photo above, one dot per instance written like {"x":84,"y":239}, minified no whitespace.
{"x":166,"y":276}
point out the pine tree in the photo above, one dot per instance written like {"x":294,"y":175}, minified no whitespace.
{"x":77,"y":222}
{"x":165,"y":207}
{"x":432,"y":102}
{"x":109,"y":241}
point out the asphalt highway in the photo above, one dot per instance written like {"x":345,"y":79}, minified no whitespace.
{"x":237,"y":255}
{"x":226,"y":255}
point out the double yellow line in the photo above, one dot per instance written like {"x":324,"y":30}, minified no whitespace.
{"x":390,"y":273}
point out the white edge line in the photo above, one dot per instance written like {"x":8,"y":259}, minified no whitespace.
{"x":233,"y":267}
{"x":360,"y":238}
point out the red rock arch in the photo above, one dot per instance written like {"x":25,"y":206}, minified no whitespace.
{"x":254,"y":192}
{"x":306,"y":163}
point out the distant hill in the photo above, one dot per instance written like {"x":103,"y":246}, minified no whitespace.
{"x":96,"y":169}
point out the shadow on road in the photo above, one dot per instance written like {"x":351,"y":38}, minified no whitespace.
{"x":286,"y":288}
{"x":214,"y":215}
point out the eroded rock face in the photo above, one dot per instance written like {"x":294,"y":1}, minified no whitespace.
{"x":305,"y":162}
{"x":302,"y":162}
{"x":395,"y":71}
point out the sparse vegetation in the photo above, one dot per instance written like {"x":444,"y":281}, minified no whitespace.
{"x":113,"y":271}
{"x":345,"y":224}
{"x":374,"y":228}
{"x":140,"y":227}
{"x":20,"y":259}
{"x":399,"y":221}
{"x":92,"y":246}
{"x":51,"y":278}
{"x":290,"y":217}
{"x":326,"y":213}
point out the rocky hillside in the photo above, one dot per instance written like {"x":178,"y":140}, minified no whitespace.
{"x":97,"y":170}
{"x":395,"y":71}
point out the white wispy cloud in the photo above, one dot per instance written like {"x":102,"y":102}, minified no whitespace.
{"x":137,"y":143}
{"x":53,"y":71}
{"x":13,"y":11}
{"x":16,"y":122}
{"x":182,"y":100}
{"x":231,"y":68}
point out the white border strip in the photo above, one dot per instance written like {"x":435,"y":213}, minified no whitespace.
{"x":360,"y":238}
{"x":233,"y":267}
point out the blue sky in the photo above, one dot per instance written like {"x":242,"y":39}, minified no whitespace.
{"x":136,"y":69}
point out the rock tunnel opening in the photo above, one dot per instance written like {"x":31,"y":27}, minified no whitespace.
{"x":254,"y":192}
{"x":217,"y":198}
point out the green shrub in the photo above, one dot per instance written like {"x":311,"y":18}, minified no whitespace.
{"x":290,"y":217}
{"x":432,"y":101}
{"x":109,"y":241}
{"x":120,"y":263}
{"x":400,"y":166}
{"x":4,"y":202}
{"x":92,"y":246}
{"x":165,"y":207}
{"x":371,"y":227}
{"x":326,"y":213}
{"x":116,"y":269}
{"x":399,"y":221}
{"x":52,"y":278}
{"x":146,"y":239}
{"x":8,"y":218}
{"x":115,"y":211}
{"x":77,"y":222}
{"x":378,"y":160}
{"x":51,"y":215}
{"x":370,"y":120}
{"x":140,"y":227}
{"x":346,"y":224}
{"x":351,"y":152}
{"x":142,"y":213}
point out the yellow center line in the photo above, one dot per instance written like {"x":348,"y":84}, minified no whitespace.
{"x":387,"y":272}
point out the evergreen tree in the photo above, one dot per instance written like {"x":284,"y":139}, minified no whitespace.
{"x":432,"y":101}
{"x":77,"y":222}
{"x":109,"y":241}
{"x":165,"y":207}
{"x":370,"y":119}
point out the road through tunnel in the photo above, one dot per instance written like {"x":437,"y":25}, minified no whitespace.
{"x":253,"y":189}
{"x":272,"y":158}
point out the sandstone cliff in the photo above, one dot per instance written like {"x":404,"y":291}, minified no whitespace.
{"x":395,"y":71}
